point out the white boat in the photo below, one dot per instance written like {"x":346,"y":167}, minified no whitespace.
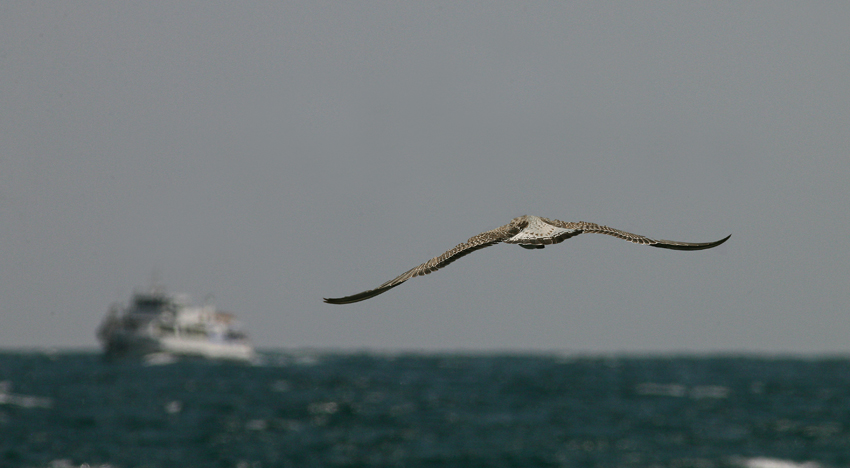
{"x":156,"y":322}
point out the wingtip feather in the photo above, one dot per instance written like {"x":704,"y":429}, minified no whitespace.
{"x":359,"y":296}
{"x":664,"y":244}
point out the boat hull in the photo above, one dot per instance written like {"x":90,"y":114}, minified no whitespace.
{"x":124,"y":344}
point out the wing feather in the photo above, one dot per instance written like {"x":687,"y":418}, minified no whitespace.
{"x":485,"y":239}
{"x":592,"y":228}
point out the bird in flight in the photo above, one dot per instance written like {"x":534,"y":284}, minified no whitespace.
{"x":530,"y":232}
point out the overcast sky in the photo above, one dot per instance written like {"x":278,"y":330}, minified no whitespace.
{"x":267,"y":155}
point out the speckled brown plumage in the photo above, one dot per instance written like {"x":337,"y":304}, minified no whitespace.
{"x":531,"y":232}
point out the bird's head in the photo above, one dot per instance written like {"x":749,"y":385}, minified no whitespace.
{"x":520,"y":222}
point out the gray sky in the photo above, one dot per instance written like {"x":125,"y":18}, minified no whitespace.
{"x":271,"y":154}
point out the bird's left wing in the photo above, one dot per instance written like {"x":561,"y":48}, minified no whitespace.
{"x":485,"y":239}
{"x":593,"y":228}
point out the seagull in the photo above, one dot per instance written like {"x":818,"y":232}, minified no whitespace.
{"x":530,"y":232}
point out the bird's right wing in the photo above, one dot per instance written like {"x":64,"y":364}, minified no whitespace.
{"x":485,"y":239}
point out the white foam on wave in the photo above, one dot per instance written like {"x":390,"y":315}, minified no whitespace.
{"x":24,"y":401}
{"x":65,"y":463}
{"x":159,"y":359}
{"x":766,"y":462}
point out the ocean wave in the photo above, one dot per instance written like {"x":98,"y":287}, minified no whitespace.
{"x":765,"y":462}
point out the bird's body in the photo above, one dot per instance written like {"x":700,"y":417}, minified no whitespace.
{"x":531,"y":232}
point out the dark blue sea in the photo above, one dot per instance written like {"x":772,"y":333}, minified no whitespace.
{"x":65,"y":410}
